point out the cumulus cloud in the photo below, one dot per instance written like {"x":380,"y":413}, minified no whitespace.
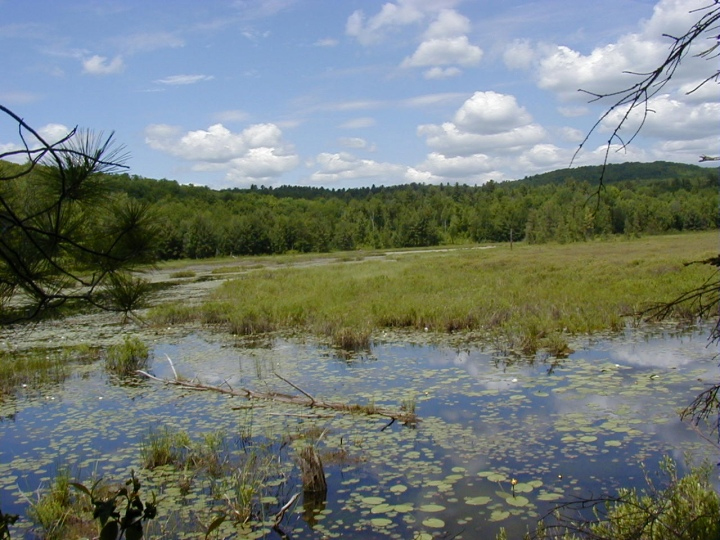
{"x":99,"y":65}
{"x":490,"y":112}
{"x":258,"y":153}
{"x":490,"y":132}
{"x":392,"y":15}
{"x":670,"y":118}
{"x":564,"y":70}
{"x":449,"y":23}
{"x":444,"y":51}
{"x":175,"y":80}
{"x":335,"y":167}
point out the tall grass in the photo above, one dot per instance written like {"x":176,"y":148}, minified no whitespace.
{"x":37,"y":367}
{"x":530,"y":296}
{"x":127,"y":357}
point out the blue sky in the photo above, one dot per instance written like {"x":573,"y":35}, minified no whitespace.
{"x":347,"y":93}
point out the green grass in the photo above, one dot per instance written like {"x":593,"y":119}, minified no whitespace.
{"x":127,"y":357}
{"x":529,"y":297}
{"x":35,"y":368}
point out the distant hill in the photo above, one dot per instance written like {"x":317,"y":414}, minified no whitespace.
{"x":620,"y":172}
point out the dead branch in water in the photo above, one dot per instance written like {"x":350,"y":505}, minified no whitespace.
{"x":306,"y":400}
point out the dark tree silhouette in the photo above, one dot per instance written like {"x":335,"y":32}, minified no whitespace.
{"x":64,"y":237}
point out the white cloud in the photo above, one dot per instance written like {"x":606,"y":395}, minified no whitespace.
{"x":369,"y":30}
{"x":572,"y":135}
{"x":573,"y":111}
{"x":444,"y":51}
{"x":490,"y":132}
{"x":146,"y":42}
{"x":442,"y":73}
{"x":326,"y":42}
{"x":345,"y":166}
{"x":99,"y":65}
{"x":175,"y":80}
{"x":234,"y":115}
{"x":610,"y":67}
{"x":50,"y":133}
{"x":355,"y":123}
{"x":520,"y":54}
{"x":669,"y":118}
{"x":490,"y":112}
{"x":355,"y":142}
{"x":449,"y":23}
{"x":254,"y":154}
{"x":53,"y":132}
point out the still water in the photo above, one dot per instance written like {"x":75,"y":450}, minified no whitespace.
{"x":561,"y":429}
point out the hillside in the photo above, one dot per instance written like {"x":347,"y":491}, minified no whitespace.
{"x":560,"y":206}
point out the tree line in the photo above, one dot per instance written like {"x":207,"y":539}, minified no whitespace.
{"x":561,"y":206}
{"x":197,"y":222}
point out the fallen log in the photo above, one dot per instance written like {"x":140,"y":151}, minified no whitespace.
{"x":305,"y":400}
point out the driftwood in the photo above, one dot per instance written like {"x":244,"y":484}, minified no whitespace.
{"x":305,"y":400}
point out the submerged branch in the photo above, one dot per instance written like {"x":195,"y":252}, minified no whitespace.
{"x":306,"y":400}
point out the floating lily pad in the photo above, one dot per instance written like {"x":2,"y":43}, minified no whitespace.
{"x":518,"y":500}
{"x":499,"y":515}
{"x":431,"y":508}
{"x":434,"y":523}
{"x":477,"y":501}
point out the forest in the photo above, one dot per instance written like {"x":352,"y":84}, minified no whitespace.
{"x":561,"y":206}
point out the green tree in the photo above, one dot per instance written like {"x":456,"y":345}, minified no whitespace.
{"x":65,"y":236}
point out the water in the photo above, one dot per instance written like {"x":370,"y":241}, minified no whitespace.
{"x":579,"y":427}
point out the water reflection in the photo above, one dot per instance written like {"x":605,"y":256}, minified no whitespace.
{"x":584,"y":425}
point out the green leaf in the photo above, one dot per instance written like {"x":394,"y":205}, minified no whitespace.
{"x":109,"y":531}
{"x":82,"y":488}
{"x":215,"y":524}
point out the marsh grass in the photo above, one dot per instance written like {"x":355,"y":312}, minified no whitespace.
{"x":60,"y":513}
{"x":532,"y":297}
{"x":183,"y":274}
{"x":35,"y":368}
{"x":126,"y":358}
{"x":164,"y":447}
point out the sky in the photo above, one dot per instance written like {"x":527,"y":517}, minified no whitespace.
{"x":351,"y":93}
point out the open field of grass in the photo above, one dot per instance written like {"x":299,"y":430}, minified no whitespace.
{"x":531,"y":297}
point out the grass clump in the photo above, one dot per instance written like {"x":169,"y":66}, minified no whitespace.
{"x":183,"y":274}
{"x":127,"y":357}
{"x":164,"y":447}
{"x":59,"y":513}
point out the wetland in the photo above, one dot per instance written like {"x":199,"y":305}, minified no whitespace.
{"x":505,"y":431}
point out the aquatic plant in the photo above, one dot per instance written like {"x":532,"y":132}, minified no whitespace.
{"x":31,"y":368}
{"x":122,"y":512}
{"x":57,"y":512}
{"x":127,"y":357}
{"x":6,"y":520}
{"x":164,"y":447}
{"x":688,"y":508}
{"x":351,"y":339}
